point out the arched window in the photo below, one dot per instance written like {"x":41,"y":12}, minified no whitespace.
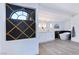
{"x":20,"y":15}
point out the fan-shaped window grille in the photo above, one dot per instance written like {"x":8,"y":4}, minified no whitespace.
{"x":20,"y":15}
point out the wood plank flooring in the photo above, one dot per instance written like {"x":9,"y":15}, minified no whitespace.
{"x":59,"y":47}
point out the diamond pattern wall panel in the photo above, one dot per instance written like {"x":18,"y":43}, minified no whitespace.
{"x":18,"y":28}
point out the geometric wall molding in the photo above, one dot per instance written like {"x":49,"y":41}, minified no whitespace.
{"x":20,"y":22}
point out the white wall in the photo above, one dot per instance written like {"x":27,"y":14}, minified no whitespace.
{"x":24,"y":46}
{"x":73,"y":21}
{"x":48,"y":16}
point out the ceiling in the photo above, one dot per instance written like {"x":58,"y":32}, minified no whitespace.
{"x":69,"y":8}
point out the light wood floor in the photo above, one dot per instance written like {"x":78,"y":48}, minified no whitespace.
{"x":59,"y":47}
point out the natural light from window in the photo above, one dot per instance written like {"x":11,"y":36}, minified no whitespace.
{"x":20,"y":15}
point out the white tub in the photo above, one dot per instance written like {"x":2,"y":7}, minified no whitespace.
{"x":64,"y":36}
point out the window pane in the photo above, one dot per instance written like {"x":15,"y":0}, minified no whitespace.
{"x":22,"y":18}
{"x":14,"y":16}
{"x":19,"y":13}
{"x":24,"y":13}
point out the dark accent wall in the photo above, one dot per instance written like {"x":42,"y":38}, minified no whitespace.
{"x":20,"y":29}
